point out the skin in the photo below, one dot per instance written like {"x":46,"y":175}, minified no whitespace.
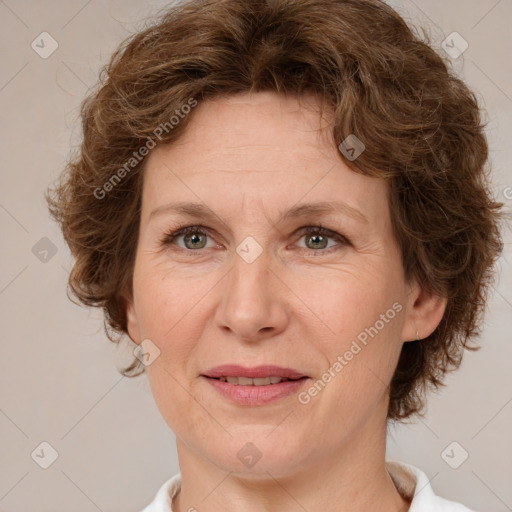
{"x":248,"y":157}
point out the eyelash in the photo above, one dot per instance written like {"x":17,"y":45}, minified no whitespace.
{"x":170,"y":237}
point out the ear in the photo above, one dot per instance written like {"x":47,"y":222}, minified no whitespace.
{"x":132,"y":322}
{"x":423,"y":312}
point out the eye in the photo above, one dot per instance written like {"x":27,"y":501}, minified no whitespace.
{"x":194,"y":237}
{"x":317,"y":238}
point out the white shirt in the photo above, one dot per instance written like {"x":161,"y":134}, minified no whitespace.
{"x":410,"y":482}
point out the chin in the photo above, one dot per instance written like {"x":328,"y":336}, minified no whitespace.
{"x":256,"y":451}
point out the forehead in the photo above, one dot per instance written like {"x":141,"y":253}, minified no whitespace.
{"x":241,"y":126}
{"x":255,"y":151}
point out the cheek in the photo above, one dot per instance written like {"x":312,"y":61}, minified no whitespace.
{"x":363,"y":316}
{"x":165,"y":297}
{"x":361,"y":356}
{"x":350,"y":301}
{"x":167,"y":306}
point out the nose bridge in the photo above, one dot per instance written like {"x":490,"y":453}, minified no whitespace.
{"x":252,"y":265}
{"x":251,"y":303}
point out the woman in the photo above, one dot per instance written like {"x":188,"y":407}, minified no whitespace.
{"x":284,"y":205}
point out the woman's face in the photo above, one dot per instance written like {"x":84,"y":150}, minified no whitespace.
{"x":259,"y":289}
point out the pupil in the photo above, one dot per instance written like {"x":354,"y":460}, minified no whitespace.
{"x":313,"y":237}
{"x":194,"y":238}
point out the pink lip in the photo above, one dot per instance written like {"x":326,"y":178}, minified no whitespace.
{"x":256,"y":395}
{"x":235,"y":370}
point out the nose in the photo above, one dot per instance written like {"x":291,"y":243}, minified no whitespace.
{"x":253,"y":304}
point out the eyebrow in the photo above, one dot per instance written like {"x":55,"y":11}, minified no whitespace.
{"x":323,"y":208}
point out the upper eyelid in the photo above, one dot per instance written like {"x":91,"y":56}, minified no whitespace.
{"x":207,"y":230}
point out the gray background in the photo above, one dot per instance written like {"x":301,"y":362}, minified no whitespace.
{"x":59,"y":381}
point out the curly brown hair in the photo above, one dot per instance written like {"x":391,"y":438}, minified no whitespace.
{"x":421,"y":126}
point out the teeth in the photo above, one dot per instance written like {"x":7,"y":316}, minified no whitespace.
{"x":246,"y":381}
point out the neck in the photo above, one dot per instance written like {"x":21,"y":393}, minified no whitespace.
{"x":350,"y":476}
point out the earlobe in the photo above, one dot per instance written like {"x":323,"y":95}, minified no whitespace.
{"x":424,"y":312}
{"x":132,"y":323}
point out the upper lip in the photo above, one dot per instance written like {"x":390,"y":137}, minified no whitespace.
{"x":235,"y":370}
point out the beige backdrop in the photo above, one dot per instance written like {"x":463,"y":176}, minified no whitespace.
{"x":59,"y":383}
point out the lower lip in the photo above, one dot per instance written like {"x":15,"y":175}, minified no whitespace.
{"x":256,"y":395}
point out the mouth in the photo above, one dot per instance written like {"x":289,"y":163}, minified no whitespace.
{"x":255,"y":386}
{"x":252,"y":392}
{"x":262,"y":375}
{"x":259,"y":381}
